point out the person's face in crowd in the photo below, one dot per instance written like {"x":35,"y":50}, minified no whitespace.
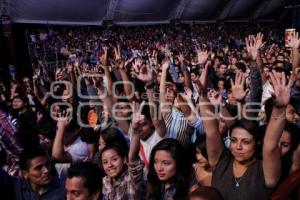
{"x":164,"y":165}
{"x":233,"y":60}
{"x":280,"y":58}
{"x":285,"y":143}
{"x":193,"y":77}
{"x":147,"y":129}
{"x":101,"y":143}
{"x":181,"y":77}
{"x":202,"y":161}
{"x":170,"y":92}
{"x":280,"y":65}
{"x":279,"y":73}
{"x":223,"y":69}
{"x":76,"y":190}
{"x":242,"y":145}
{"x":220,"y":85}
{"x":56,"y":111}
{"x":18,"y":104}
{"x":123,"y":109}
{"x":291,"y":114}
{"x":176,"y":61}
{"x":113,"y":163}
{"x":266,"y":72}
{"x":38,"y":173}
{"x":273,"y":59}
{"x":65,"y":96}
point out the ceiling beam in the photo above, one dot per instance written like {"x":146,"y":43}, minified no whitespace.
{"x":178,"y":11}
{"x":227,"y":9}
{"x":261,"y":8}
{"x":111,"y":9}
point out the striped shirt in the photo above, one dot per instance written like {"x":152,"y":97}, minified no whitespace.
{"x":179,"y":128}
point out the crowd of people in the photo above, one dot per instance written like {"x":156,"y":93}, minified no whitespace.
{"x":197,"y":112}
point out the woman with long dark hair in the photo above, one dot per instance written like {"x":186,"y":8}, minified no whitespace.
{"x":169,"y":171}
{"x":238,"y":173}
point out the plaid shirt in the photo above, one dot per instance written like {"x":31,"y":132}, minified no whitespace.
{"x":9,"y":142}
{"x":129,"y":186}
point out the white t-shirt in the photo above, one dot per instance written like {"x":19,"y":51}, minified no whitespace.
{"x":78,"y":151}
{"x":149,"y":144}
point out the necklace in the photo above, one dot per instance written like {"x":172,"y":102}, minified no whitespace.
{"x":237,"y":181}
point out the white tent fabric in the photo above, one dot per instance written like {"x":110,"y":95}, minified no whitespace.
{"x":141,"y":11}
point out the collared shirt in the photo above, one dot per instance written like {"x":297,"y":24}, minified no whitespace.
{"x":130,"y":185}
{"x":179,"y":128}
{"x":22,"y":190}
{"x":169,"y":193}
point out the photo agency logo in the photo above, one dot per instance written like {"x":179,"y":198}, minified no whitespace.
{"x":122,"y":109}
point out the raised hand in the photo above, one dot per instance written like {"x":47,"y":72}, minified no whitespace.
{"x":202,"y":80}
{"x":144,"y":73}
{"x":238,"y":91}
{"x":103,"y":58}
{"x":282,"y":92}
{"x":294,"y":42}
{"x":187,"y":94}
{"x":165,"y":64}
{"x":63,"y":119}
{"x":254,"y":44}
{"x":117,"y":51}
{"x":137,"y":117}
{"x":214,"y":97}
{"x":181,"y":58}
{"x":128,"y":61}
{"x":202,"y":55}
{"x":259,"y":40}
{"x":137,"y":64}
{"x":69,"y":67}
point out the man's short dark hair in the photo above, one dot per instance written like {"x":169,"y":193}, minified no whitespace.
{"x":91,"y":174}
{"x":29,"y":154}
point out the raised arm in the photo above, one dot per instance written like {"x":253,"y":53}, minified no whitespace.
{"x":145,"y":74}
{"x":253,"y":45}
{"x":294,"y":43}
{"x":165,"y":107}
{"x":58,"y":152}
{"x":127,"y":87}
{"x":136,"y":125}
{"x":187,"y":78}
{"x":214,"y":144}
{"x":190,"y":114}
{"x":271,"y":150}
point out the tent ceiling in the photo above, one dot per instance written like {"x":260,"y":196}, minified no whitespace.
{"x":94,"y":11}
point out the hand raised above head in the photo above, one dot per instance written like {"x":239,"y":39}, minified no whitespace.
{"x":237,"y":87}
{"x":294,"y":42}
{"x":282,"y":91}
{"x":137,"y":116}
